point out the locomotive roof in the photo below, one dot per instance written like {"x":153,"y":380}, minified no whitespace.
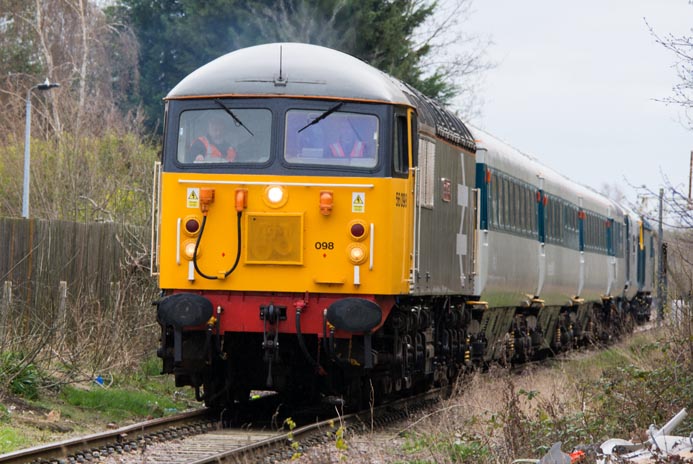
{"x":292,"y":69}
{"x":304,"y":70}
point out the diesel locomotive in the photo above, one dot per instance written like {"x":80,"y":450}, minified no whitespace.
{"x":357,"y":240}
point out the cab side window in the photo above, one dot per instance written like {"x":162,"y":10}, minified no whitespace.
{"x":400,"y":157}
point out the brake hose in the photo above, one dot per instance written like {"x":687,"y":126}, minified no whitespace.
{"x":238,"y":251}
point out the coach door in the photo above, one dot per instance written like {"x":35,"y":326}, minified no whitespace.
{"x":611,"y":254}
{"x":628,"y":249}
{"x":581,"y":247}
{"x":542,"y":200}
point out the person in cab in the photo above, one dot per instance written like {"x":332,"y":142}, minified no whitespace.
{"x":213,"y":146}
{"x":347,"y":145}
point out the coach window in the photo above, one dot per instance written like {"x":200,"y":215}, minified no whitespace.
{"x":506,"y":204}
{"x":529,"y":209}
{"x":520,"y":209}
{"x":494,"y":200}
{"x":532,"y":202}
{"x":523,"y":209}
{"x":509,"y":205}
{"x":516,"y":205}
{"x":561,"y":224}
{"x":548,"y":207}
{"x":517,"y":191}
{"x":533,"y":212}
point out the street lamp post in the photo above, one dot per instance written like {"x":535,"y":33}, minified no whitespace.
{"x":47,"y":85}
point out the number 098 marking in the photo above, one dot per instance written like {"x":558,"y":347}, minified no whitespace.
{"x":324,"y":245}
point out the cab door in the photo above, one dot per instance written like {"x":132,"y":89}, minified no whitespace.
{"x":405,"y":161}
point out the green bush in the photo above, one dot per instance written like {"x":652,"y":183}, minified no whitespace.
{"x":633,"y":398}
{"x":20,"y":375}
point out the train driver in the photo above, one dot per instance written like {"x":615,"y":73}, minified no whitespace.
{"x":347,"y":144}
{"x":213,"y":146}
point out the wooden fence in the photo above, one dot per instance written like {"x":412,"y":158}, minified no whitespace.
{"x":46,"y":264}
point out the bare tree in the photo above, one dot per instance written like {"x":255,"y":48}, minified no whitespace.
{"x":456,"y":55}
{"x":614,"y":192}
{"x":682,"y":50}
{"x":439,"y":46}
{"x":76,"y":128}
{"x":300,"y":21}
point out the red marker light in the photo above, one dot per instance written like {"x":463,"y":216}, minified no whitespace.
{"x":192,"y":226}
{"x":357,"y":230}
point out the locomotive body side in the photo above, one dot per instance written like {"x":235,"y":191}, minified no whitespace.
{"x":445,"y":219}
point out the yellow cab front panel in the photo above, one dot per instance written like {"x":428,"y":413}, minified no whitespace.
{"x":324,"y":237}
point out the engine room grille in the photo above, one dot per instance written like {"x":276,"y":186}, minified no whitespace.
{"x":274,"y":238}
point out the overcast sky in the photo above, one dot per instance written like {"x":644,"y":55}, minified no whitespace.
{"x":575,"y":86}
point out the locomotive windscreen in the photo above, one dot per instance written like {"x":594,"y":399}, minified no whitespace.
{"x":218,"y":136}
{"x":341,"y":138}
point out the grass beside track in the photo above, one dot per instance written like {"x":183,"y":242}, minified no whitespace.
{"x":64,"y":410}
{"x":581,"y":398}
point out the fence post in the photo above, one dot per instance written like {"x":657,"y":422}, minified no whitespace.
{"x":62,"y":304}
{"x":5,"y":308}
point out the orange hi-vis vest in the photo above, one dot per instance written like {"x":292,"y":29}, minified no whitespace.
{"x":213,"y":152}
{"x":338,"y":151}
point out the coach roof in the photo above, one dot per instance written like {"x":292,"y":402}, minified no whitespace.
{"x":292,"y":69}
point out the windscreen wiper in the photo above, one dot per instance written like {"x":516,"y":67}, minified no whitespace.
{"x":235,"y":118}
{"x":322,"y":116}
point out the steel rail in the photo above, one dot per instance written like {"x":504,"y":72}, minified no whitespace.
{"x":66,"y":448}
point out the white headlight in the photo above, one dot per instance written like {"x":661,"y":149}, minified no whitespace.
{"x":275,"y":194}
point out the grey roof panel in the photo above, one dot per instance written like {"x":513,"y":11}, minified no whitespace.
{"x":308,"y":70}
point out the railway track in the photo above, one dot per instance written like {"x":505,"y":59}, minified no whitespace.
{"x":198,"y":437}
{"x":121,"y":440}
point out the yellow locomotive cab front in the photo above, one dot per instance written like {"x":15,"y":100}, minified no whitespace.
{"x":287,"y":243}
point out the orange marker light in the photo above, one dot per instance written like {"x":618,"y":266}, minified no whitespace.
{"x":326,"y":201}
{"x":241,"y":199}
{"x":206,"y":199}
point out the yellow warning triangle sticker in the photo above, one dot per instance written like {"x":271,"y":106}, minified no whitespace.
{"x":192,"y":196}
{"x":358,"y":200}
